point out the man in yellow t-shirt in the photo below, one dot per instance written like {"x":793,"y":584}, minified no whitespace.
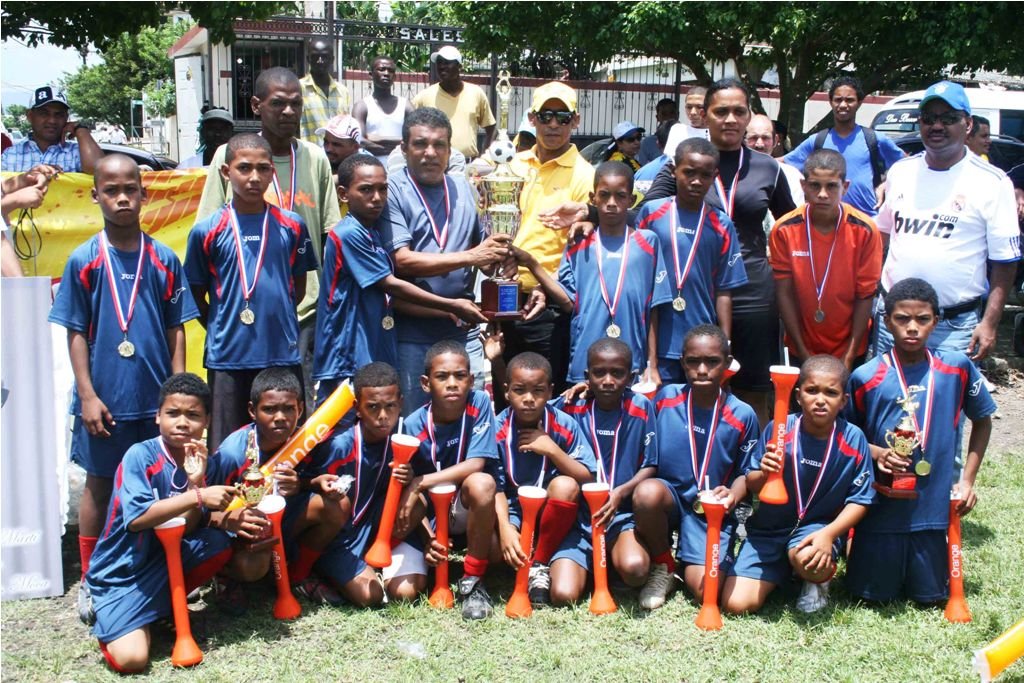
{"x":465,"y":104}
{"x":555,"y":174}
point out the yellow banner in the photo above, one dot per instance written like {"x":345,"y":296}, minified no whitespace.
{"x":46,"y":236}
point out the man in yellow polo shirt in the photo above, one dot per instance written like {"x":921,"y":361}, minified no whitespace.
{"x":465,"y":104}
{"x":555,"y":173}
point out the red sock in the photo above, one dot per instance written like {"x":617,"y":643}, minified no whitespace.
{"x":114,"y":665}
{"x":555,"y":521}
{"x":206,"y":570}
{"x":303,"y":565}
{"x":86,"y":544}
{"x":666,"y":558}
{"x":474,"y":566}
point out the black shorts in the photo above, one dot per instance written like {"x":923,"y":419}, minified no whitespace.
{"x":230,"y":389}
{"x":755,"y":344}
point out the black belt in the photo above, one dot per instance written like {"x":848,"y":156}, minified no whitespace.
{"x":964,"y":307}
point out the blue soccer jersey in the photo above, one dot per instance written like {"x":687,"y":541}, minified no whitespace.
{"x":432,"y":220}
{"x":624,"y":438}
{"x":130,"y":387}
{"x":526,"y":468}
{"x":684,"y":431}
{"x":601,"y":274}
{"x":833,"y":473}
{"x":348,"y":453}
{"x":354,"y":320}
{"x":716,"y":266}
{"x":281,"y":248}
{"x":228,"y":464}
{"x":955,"y":386}
{"x":446,"y":445}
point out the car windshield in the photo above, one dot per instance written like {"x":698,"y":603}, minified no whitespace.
{"x":896,"y":121}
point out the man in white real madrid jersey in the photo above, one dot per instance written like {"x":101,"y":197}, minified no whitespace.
{"x":948,"y":215}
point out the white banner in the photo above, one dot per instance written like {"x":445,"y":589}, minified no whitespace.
{"x":30,"y":497}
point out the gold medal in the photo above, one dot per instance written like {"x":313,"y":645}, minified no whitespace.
{"x":126,"y":349}
{"x":698,"y":507}
{"x":614,"y":331}
{"x":387,"y":322}
{"x":679,"y":304}
{"x":819,"y":316}
{"x":923,"y":468}
{"x":247,"y":316}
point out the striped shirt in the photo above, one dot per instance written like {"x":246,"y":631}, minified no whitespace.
{"x":318,"y":108}
{"x":22,"y":156}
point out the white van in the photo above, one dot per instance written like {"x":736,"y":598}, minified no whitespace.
{"x":1003,"y":108}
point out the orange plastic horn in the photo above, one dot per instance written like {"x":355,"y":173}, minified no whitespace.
{"x":730,"y":371}
{"x":185,"y":652}
{"x":784,"y":378}
{"x":710,"y":618}
{"x":285,"y":606}
{"x":601,"y":601}
{"x":531,"y":500}
{"x":403,"y":447}
{"x":441,"y":498}
{"x":317,"y":428}
{"x":645,"y":387}
{"x":957,"y":610}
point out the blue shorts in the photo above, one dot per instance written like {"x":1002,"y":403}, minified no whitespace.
{"x":343,"y":560}
{"x":577,"y":546}
{"x":125,"y":608}
{"x":915,"y":567}
{"x":671,"y":370}
{"x":693,"y":536}
{"x":100,"y":456}
{"x":765,"y":557}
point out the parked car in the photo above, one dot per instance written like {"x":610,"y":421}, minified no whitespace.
{"x":146,"y":160}
{"x":1006,"y":152}
{"x":1004,"y":109}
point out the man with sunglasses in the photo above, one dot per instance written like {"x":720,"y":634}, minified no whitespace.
{"x":948,"y":216}
{"x":556,"y":174}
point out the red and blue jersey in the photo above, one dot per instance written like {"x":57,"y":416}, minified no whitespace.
{"x":130,"y":387}
{"x":644,"y":285}
{"x":624,"y":438}
{"x":351,"y":309}
{"x":833,"y":472}
{"x":526,"y":468}
{"x":348,"y":453}
{"x":717,"y":266}
{"x":446,"y":445}
{"x":683,"y":428}
{"x":956,"y":386}
{"x":212,"y":261}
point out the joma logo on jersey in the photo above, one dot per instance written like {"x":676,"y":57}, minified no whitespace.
{"x":127,"y":276}
{"x":734,"y":259}
{"x":687,"y":231}
{"x":250,"y":238}
{"x":482,"y":427}
{"x":940,"y":225}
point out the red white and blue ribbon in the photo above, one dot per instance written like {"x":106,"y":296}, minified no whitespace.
{"x":701,"y":471}
{"x":819,"y":289}
{"x":440,"y":234}
{"x":801,"y":506}
{"x":433,"y":440}
{"x":729,"y":200}
{"x":509,"y":452}
{"x":682,"y":275}
{"x":929,"y":399}
{"x":612,"y":305}
{"x":603,"y":476}
{"x":122,"y":318}
{"x":247,"y":287}
{"x":358,"y":447}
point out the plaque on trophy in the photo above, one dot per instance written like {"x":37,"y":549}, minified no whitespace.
{"x":903,"y":441}
{"x":499,"y":210}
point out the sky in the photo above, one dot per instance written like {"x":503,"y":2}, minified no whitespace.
{"x":23,"y":69}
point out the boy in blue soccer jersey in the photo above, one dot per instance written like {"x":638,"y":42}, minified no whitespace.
{"x":829,"y":481}
{"x":592,"y":279}
{"x":944,"y":384}
{"x":704,"y":434}
{"x":456,"y":429}
{"x":619,"y":425}
{"x":364,"y":453}
{"x":355,"y":320}
{"x":700,"y":247}
{"x":159,"y":479}
{"x":540,"y":446}
{"x":124,"y":301}
{"x":313,"y":513}
{"x":247,"y":266}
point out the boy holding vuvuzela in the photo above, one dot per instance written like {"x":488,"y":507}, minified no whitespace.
{"x":931,"y":390}
{"x":159,"y":479}
{"x":826,"y":469}
{"x":247,"y":266}
{"x":124,"y":301}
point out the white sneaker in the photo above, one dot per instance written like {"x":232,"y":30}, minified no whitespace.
{"x":658,"y":586}
{"x":539,"y":586}
{"x":813,"y":596}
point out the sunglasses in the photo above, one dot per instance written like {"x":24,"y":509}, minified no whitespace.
{"x":634,"y":138}
{"x":564,"y":118}
{"x":946,"y":118}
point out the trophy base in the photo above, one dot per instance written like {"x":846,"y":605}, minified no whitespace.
{"x":499,"y":300}
{"x":902,"y":486}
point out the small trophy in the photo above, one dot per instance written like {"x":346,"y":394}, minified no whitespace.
{"x":499,"y":210}
{"x":903,"y":441}
{"x":253,"y":485}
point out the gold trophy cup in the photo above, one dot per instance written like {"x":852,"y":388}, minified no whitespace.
{"x":903,"y":441}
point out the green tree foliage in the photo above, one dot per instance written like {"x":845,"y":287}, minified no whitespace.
{"x":133,"y":63}
{"x":357,"y":55}
{"x":15,"y":118}
{"x":79,"y":24}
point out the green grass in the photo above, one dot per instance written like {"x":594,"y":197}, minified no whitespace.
{"x":43,"y":639}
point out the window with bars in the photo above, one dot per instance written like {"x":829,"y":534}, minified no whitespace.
{"x":249,"y":58}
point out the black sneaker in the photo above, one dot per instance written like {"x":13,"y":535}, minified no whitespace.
{"x":476,"y":602}
{"x":539,"y":586}
{"x":85,"y":610}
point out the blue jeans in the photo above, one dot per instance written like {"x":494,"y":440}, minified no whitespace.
{"x":410,"y":368}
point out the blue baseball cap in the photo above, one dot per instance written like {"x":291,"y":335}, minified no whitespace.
{"x":952,"y":94}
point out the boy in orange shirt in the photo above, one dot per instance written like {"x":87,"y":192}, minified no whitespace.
{"x":827,"y":258}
